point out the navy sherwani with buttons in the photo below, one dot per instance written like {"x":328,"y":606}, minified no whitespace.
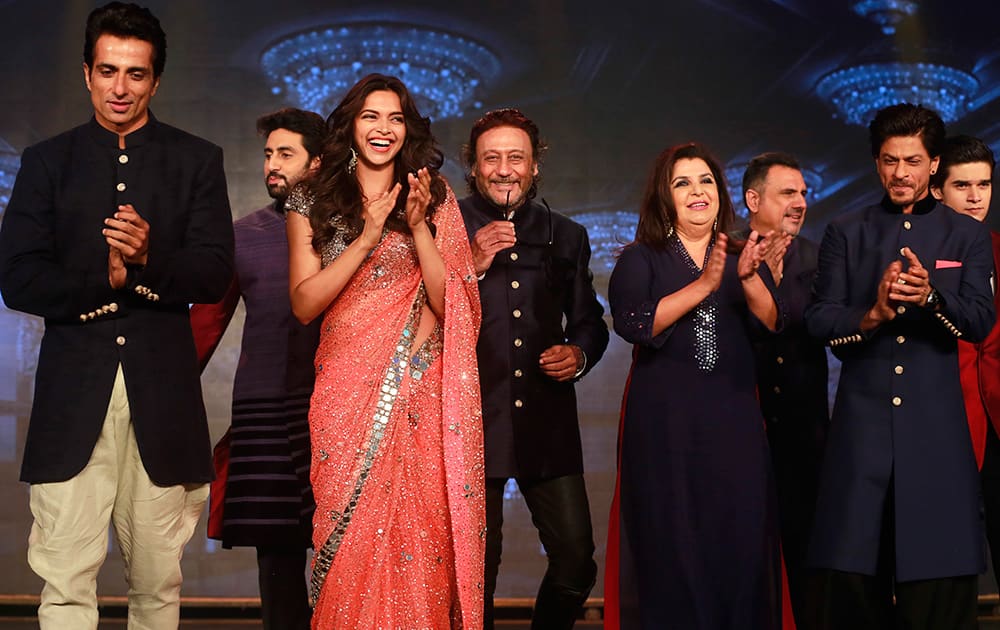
{"x":899,"y":428}
{"x":54,"y":263}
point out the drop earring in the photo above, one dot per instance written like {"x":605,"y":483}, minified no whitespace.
{"x":352,"y":164}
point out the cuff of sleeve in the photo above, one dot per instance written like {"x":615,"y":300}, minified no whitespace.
{"x":583,"y":366}
{"x":132,"y":275}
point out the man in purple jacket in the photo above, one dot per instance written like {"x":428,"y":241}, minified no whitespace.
{"x":268,"y":502}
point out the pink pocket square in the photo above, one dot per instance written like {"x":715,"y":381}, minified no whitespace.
{"x":947,"y":264}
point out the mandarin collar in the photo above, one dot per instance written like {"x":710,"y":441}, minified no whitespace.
{"x":132,"y":140}
{"x":923,"y":206}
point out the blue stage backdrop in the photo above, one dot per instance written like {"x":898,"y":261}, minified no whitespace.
{"x":610,"y":84}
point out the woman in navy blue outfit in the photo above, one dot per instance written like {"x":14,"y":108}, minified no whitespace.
{"x":698,"y":544}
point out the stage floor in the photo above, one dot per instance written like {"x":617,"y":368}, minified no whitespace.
{"x":221,"y":624}
{"x":29,"y":623}
{"x":17,"y":613}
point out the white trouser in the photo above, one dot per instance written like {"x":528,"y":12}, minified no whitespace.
{"x":69,"y":536}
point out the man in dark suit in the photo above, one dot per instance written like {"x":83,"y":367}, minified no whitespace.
{"x":899,"y":282}
{"x":118,"y":433}
{"x":964,"y":182}
{"x":791,"y":365}
{"x":533,"y":270}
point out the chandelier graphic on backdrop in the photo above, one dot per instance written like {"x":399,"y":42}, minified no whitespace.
{"x":446,"y":72}
{"x":10,"y":162}
{"x":857,"y":90}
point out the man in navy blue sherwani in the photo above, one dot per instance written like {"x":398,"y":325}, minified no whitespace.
{"x":899,"y":282}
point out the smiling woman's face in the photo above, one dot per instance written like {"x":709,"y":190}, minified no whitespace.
{"x":695,"y":193}
{"x":379,"y":130}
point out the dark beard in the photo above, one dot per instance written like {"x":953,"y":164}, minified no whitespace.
{"x":277,"y":192}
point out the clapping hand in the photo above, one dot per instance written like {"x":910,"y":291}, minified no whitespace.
{"x":716,"y":264}
{"x":419,"y":198}
{"x":913,"y":285}
{"x":375,"y":214}
{"x":128,"y":232}
{"x":882,"y":310}
{"x":769,"y":249}
{"x":127,"y":236}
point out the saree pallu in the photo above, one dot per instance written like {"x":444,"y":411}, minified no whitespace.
{"x":397,"y":451}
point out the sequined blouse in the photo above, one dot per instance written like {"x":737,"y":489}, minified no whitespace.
{"x":301,"y":201}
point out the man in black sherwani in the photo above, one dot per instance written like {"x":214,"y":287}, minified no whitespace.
{"x":533,"y":270}
{"x":791,"y":365}
{"x":112,"y":230}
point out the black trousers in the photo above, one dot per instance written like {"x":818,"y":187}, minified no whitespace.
{"x":990,"y":478}
{"x":853,"y":601}
{"x":796,"y":452}
{"x":284,"y":600}
{"x":561,"y":513}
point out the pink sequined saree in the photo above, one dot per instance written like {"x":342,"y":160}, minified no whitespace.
{"x":397,"y":446}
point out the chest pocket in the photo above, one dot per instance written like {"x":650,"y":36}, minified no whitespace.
{"x":948,"y":279}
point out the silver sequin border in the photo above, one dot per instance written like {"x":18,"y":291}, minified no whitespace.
{"x":383,"y":409}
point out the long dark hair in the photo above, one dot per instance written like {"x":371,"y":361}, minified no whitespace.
{"x":657,"y":214}
{"x":338,"y":192}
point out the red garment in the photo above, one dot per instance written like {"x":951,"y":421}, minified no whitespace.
{"x":979,"y":372}
{"x":611,"y":560}
{"x":208,"y":323}
{"x":217,"y":491}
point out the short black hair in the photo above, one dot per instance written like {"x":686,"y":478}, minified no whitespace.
{"x":760,"y":166}
{"x":961,"y":149}
{"x":906,"y":120}
{"x":309,"y":125}
{"x":126,"y":20}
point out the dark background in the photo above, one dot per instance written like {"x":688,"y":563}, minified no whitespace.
{"x":611,"y":84}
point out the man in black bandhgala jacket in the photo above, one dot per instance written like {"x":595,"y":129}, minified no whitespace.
{"x":791,"y":365}
{"x":533,"y":270}
{"x":112,"y":230}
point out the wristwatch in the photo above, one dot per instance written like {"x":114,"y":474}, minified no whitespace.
{"x":933,"y":298}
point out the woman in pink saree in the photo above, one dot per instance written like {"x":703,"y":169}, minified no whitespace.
{"x":378,"y":249}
